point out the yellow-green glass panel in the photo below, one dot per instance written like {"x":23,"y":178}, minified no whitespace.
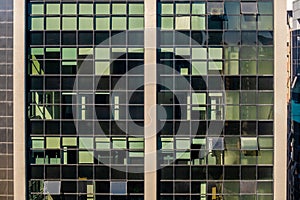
{"x":248,"y":112}
{"x":198,"y":8}
{"x":86,"y":8}
{"x":102,"y":53}
{"x":266,"y":67}
{"x":136,"y":23}
{"x":52,"y":23}
{"x":69,"y":8}
{"x":69,"y":23}
{"x":86,"y":157}
{"x":232,"y":112}
{"x":103,"y":8}
{"x":199,"y":53}
{"x":215,"y":53}
{"x":265,"y":157}
{"x":69,"y":53}
{"x":135,"y":9}
{"x":69,"y":141}
{"x":86,"y":23}
{"x":118,"y":8}
{"x":37,"y":9}
{"x":265,"y":22}
{"x":167,"y":23}
{"x":118,"y":23}
{"x":167,"y":8}
{"x":37,"y":23}
{"x":102,"y":68}
{"x":265,"y":112}
{"x":86,"y":143}
{"x":183,"y":8}
{"x":183,"y":23}
{"x":198,"y":23}
{"x":199,"y":68}
{"x":266,"y":142}
{"x":102,"y":23}
{"x":53,"y":8}
{"x":199,"y":98}
{"x":53,"y":142}
{"x":119,"y":144}
{"x":37,"y":142}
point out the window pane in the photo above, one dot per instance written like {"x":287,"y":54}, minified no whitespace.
{"x":69,"y":23}
{"x":182,"y":8}
{"x":199,"y":98}
{"x":37,"y":142}
{"x":118,"y":23}
{"x":265,"y":98}
{"x":37,"y":23}
{"x":265,"y":67}
{"x":53,"y":8}
{"x":198,"y":8}
{"x":119,"y":143}
{"x":265,"y":8}
{"x":102,"y":53}
{"x":85,"y":8}
{"x":102,"y":23}
{"x":69,"y":141}
{"x":103,"y":8}
{"x":69,"y":8}
{"x":167,"y":23}
{"x":86,"y":143}
{"x":102,"y":68}
{"x":37,"y":9}
{"x":102,"y":143}
{"x":249,"y":8}
{"x":248,"y":112}
{"x":136,"y":23}
{"x":182,"y":23}
{"x":86,"y":157}
{"x":265,"y":23}
{"x":69,"y":53}
{"x":198,"y":23}
{"x":52,"y":142}
{"x":265,"y":112}
{"x":248,"y":67}
{"x":118,"y":8}
{"x":249,"y":143}
{"x":215,"y":53}
{"x":199,"y":68}
{"x":167,"y":8}
{"x":232,"y":113}
{"x":52,"y":23}
{"x":136,"y":9}
{"x":86,"y":23}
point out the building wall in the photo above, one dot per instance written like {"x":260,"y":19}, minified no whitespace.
{"x":6,"y":99}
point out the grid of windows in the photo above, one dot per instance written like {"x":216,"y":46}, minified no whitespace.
{"x":224,"y":51}
{"x":6,"y":99}
{"x":85,"y":100}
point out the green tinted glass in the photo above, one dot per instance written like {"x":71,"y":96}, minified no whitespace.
{"x":52,"y":23}
{"x":86,"y":23}
{"x":37,"y":9}
{"x":136,"y":23}
{"x":69,"y":8}
{"x":37,"y":23}
{"x":53,"y":8}
{"x":86,"y":8}
{"x":69,"y":23}
{"x":135,"y":8}
{"x":102,"y":8}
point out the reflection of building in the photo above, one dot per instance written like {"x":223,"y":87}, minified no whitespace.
{"x":92,"y":128}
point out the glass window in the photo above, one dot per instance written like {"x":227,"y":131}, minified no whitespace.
{"x":52,"y":23}
{"x":199,"y":98}
{"x":86,"y":23}
{"x":136,"y":23}
{"x":167,"y":8}
{"x":199,"y":68}
{"x":265,"y":112}
{"x":69,"y":141}
{"x":69,"y":53}
{"x":182,"y":23}
{"x":86,"y":157}
{"x":119,"y":143}
{"x":68,"y":8}
{"x":37,"y":23}
{"x":198,"y":8}
{"x":215,"y":8}
{"x":167,"y":23}
{"x":102,"y":23}
{"x":136,"y":143}
{"x":103,"y":8}
{"x":118,"y":23}
{"x":53,"y":8}
{"x":102,"y":143}
{"x":265,"y":67}
{"x":37,"y":9}
{"x":69,"y":23}
{"x":183,"y":143}
{"x":182,"y":8}
{"x":265,"y":22}
{"x":86,"y":8}
{"x":86,"y":143}
{"x":118,"y":8}
{"x":265,"y":8}
{"x":53,"y":142}
{"x":102,"y":53}
{"x":135,"y":8}
{"x":118,"y":188}
{"x":102,"y":68}
{"x":215,"y":53}
{"x":248,"y":112}
{"x":265,"y":98}
{"x":232,"y":112}
{"x":248,"y":67}
{"x":198,"y":23}
{"x":232,"y":98}
{"x":37,"y":142}
{"x":249,"y":8}
{"x":249,"y":143}
{"x":266,"y":142}
{"x":199,"y":53}
{"x":266,"y":157}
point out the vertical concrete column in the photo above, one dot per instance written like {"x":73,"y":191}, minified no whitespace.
{"x":280,"y":105}
{"x":150,"y":184}
{"x":19,"y":100}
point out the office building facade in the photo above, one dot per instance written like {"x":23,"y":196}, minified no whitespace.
{"x":149,"y":100}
